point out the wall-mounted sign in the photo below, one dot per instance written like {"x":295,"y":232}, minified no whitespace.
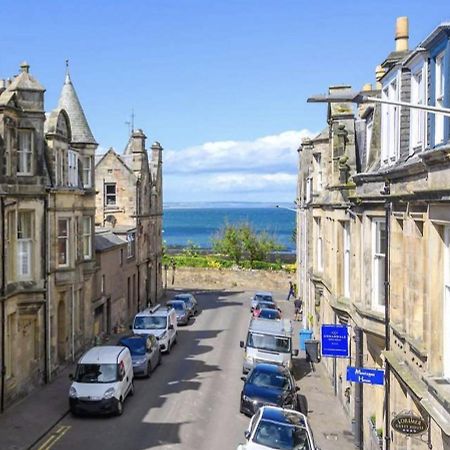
{"x":335,"y":341}
{"x":364,"y":375}
{"x":408,"y":423}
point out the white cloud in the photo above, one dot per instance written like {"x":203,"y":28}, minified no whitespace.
{"x":277,"y":152}
{"x":259,"y":170}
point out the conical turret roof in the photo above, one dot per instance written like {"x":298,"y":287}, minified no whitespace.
{"x":68,"y":100}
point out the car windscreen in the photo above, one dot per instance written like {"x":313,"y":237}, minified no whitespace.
{"x":150,"y":323}
{"x":179,"y":306}
{"x":266,"y":305}
{"x":264,"y":298}
{"x":269,"y":314}
{"x":269,"y":342}
{"x":281,"y":436}
{"x":96,"y":373}
{"x":135,"y":345}
{"x":268,"y":380}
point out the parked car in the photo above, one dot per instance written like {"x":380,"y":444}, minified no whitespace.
{"x":191,"y":302}
{"x":264,"y":305}
{"x":268,"y":341}
{"x":102,"y":381}
{"x":268,"y":384}
{"x":271,"y":314}
{"x":278,"y":428}
{"x":145,"y":353}
{"x":181,"y":311}
{"x":260,"y":296}
{"x":161,"y":322}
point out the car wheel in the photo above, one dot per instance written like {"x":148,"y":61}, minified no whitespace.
{"x":302,"y":404}
{"x":74,"y":412}
{"x":159,"y":359}
{"x":241,"y":410}
{"x":119,"y":408}
{"x":149,"y":369}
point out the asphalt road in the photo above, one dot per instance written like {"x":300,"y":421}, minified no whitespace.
{"x":191,"y":401}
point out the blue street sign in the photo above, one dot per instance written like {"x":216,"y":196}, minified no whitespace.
{"x":335,"y":341}
{"x":363,"y":375}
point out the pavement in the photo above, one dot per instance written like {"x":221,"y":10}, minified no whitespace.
{"x":26,"y":423}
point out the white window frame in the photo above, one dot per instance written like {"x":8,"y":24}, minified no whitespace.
{"x":418,"y":118}
{"x":106,"y":195}
{"x":61,"y":238}
{"x":24,"y":245}
{"x":346,"y":261}
{"x":72,"y":168}
{"x":87,"y":237}
{"x":319,"y":244}
{"x":446,"y":306}
{"x":378,"y":265}
{"x":390,"y":121}
{"x":25,"y":152}
{"x":439,"y":86}
{"x":87,"y":171}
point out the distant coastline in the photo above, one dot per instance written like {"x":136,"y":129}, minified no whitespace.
{"x":225,"y":205}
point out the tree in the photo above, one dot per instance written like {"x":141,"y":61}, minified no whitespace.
{"x":241,"y":240}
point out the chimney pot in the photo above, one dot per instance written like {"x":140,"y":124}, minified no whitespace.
{"x":401,"y":34}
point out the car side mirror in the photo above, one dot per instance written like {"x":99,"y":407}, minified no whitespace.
{"x":247,"y":434}
{"x":170,"y":327}
{"x":297,"y":388}
{"x":241,"y":344}
{"x":71,"y":377}
{"x":295,"y":352}
{"x":244,"y":378}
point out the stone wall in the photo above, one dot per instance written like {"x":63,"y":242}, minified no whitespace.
{"x":230,"y":279}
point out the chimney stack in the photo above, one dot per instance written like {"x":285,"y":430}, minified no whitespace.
{"x":401,"y":34}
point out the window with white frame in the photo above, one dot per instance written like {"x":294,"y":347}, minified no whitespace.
{"x":308,"y":189}
{"x":7,"y":151}
{"x":439,"y":92}
{"x":446,"y":312}
{"x":24,"y":243}
{"x":110,"y":194}
{"x":390,"y":121}
{"x":131,"y":244}
{"x":87,"y":237}
{"x":378,"y":263}
{"x":72,"y":172}
{"x":63,"y":242}
{"x":418,"y":117}
{"x":87,"y":175}
{"x":319,"y":244}
{"x":318,"y":160}
{"x":25,"y":153}
{"x":346,"y":262}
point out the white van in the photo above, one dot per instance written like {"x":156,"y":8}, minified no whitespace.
{"x":159,"y":321}
{"x":268,"y":341}
{"x":102,"y":381}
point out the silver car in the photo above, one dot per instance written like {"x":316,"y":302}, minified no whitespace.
{"x":145,"y":353}
{"x":191,"y":303}
{"x":260,"y":296}
{"x":181,"y":311}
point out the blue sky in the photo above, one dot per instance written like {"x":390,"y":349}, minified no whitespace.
{"x":221,"y":84}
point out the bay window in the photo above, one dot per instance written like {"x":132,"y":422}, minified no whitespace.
{"x":87,"y":175}
{"x":378,"y":263}
{"x":72,"y":174}
{"x":87,"y":237}
{"x":24,"y":243}
{"x":63,"y":242}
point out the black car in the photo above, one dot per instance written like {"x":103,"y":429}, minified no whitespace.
{"x":271,"y":314}
{"x":269,"y":384}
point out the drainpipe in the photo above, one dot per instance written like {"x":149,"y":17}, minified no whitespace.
{"x":359,"y":391}
{"x":47,"y":294}
{"x":387,"y":317}
{"x":73,"y":323}
{"x":2,"y":299}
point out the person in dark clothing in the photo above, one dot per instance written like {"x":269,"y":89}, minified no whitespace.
{"x":291,"y":291}
{"x":298,"y":305}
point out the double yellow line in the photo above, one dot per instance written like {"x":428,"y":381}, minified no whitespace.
{"x":55,"y":437}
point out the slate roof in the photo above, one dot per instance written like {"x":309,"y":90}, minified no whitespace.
{"x":24,"y":81}
{"x":68,"y":100}
{"x":106,"y":241}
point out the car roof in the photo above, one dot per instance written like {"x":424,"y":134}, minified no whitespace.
{"x":160,"y":312}
{"x":286,"y":416}
{"x":183,"y":296}
{"x":177,"y":302}
{"x":270,"y":368}
{"x":107,"y":354}
{"x":278,"y":327}
{"x":268,"y":310}
{"x":134,"y":337}
{"x":264,"y":293}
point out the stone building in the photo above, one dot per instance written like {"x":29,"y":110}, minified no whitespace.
{"x":130,"y":197}
{"x":374,"y":218}
{"x":47,"y":196}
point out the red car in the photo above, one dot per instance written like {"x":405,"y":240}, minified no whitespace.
{"x":264,"y":305}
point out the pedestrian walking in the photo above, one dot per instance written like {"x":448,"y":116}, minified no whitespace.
{"x":298,"y":305}
{"x":291,"y":291}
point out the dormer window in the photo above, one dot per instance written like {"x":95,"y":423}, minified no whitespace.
{"x":439,"y":90}
{"x":25,"y":153}
{"x":418,"y":117}
{"x":390,"y":123}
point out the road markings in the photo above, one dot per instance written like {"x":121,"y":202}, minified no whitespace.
{"x":55,"y":437}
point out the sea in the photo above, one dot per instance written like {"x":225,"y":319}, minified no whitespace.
{"x":197,"y":223}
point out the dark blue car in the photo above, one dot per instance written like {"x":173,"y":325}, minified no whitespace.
{"x":145,"y":353}
{"x":269,"y":384}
